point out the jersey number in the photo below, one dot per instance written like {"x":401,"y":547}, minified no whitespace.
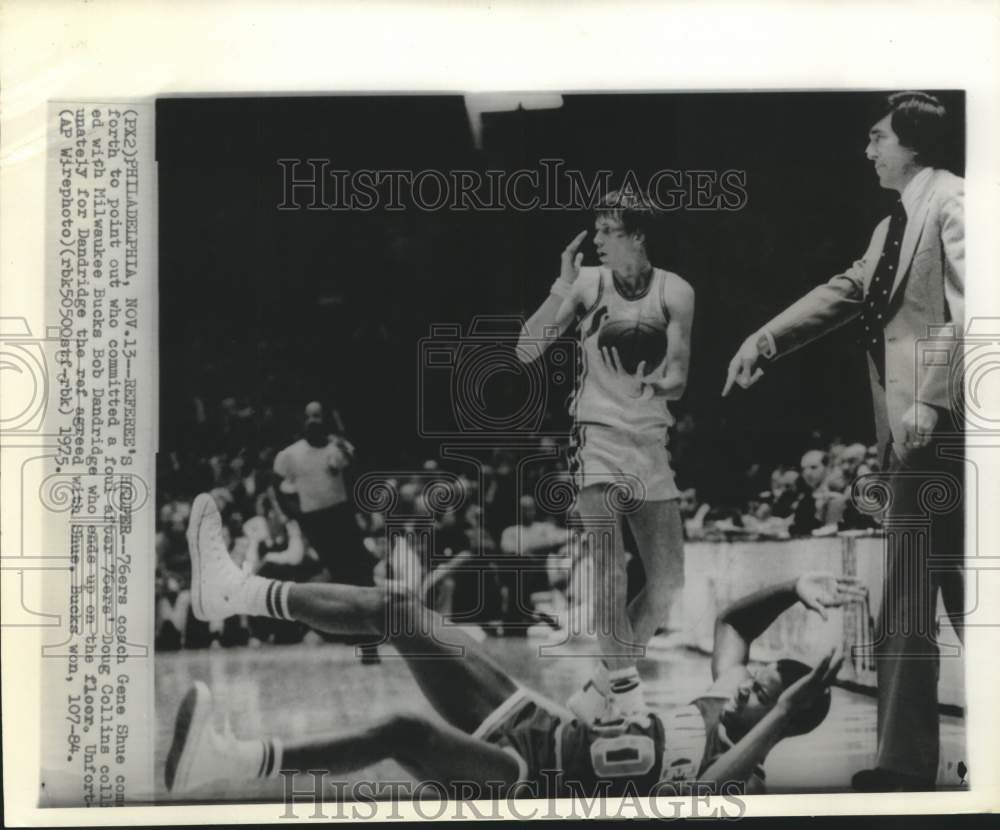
{"x":622,"y":755}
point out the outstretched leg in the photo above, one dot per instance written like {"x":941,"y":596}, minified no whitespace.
{"x":462,"y":683}
{"x":427,"y":750}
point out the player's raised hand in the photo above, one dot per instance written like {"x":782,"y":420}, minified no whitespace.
{"x":572,"y":258}
{"x":819,"y":591}
{"x":807,"y":688}
{"x":742,"y":367}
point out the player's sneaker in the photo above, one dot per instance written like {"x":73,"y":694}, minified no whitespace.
{"x":216,"y":581}
{"x":200,"y":755}
{"x":587,"y":703}
{"x":197,"y":755}
{"x":590,"y":701}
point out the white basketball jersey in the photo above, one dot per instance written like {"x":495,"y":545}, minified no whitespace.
{"x":597,"y":400}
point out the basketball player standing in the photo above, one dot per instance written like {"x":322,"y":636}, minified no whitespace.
{"x":620,"y":435}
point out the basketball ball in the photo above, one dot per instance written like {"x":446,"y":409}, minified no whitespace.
{"x":635,"y":341}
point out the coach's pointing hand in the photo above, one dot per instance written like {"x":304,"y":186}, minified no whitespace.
{"x":741,"y":367}
{"x":571,"y":259}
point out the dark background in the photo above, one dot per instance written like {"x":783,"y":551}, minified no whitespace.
{"x":273,"y":308}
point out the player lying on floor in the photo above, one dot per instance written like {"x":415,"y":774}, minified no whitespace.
{"x":495,"y":733}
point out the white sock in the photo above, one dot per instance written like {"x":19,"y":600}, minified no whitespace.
{"x":626,"y":686}
{"x":260,"y":758}
{"x":267,"y":598}
{"x":273,"y":757}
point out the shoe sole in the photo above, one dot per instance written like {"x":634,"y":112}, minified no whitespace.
{"x":583,"y":707}
{"x":194,"y":529}
{"x":190,"y":729}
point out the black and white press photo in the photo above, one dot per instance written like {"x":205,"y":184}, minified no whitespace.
{"x":560,"y":445}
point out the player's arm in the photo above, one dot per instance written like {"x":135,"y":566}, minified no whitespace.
{"x":739,"y":762}
{"x":825,"y":308}
{"x":746,"y":619}
{"x":679,"y":303}
{"x":556,"y":313}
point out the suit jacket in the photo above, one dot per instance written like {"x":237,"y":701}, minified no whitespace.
{"x":926,"y":312}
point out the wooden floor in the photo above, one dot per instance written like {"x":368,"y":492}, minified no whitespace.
{"x":300,"y":690}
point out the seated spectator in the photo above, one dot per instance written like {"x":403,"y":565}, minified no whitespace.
{"x":851,"y":460}
{"x":532,"y":536}
{"x":818,"y":506}
{"x":854,"y":519}
{"x":531,"y":540}
{"x":693,"y":513}
{"x":870,"y":464}
{"x":480,"y":542}
{"x":784,"y":491}
{"x":173,"y":595}
{"x":570,"y":600}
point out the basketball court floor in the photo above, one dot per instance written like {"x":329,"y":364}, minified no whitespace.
{"x":305,"y":690}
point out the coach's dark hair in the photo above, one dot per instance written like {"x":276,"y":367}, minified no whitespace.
{"x":920,"y":122}
{"x":808,"y":719}
{"x":632,"y":208}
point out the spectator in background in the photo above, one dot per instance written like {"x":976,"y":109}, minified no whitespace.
{"x":872,"y":462}
{"x":852,"y":518}
{"x":500,"y":501}
{"x":173,"y":594}
{"x":532,"y":536}
{"x":784,"y":491}
{"x":532,"y":540}
{"x":851,"y":459}
{"x":818,"y":506}
{"x":693,"y":513}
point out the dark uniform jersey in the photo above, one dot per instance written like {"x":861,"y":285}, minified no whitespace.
{"x":562,"y":757}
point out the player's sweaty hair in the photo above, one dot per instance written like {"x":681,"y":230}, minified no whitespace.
{"x":631,"y":208}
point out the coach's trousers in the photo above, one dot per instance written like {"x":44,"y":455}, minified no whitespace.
{"x":924,"y":554}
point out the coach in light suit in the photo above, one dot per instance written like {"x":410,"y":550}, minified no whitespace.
{"x":907,"y":290}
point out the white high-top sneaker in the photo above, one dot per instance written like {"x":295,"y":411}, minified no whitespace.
{"x":197,"y":755}
{"x":216,"y":581}
{"x":589,"y":701}
{"x":200,"y":755}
